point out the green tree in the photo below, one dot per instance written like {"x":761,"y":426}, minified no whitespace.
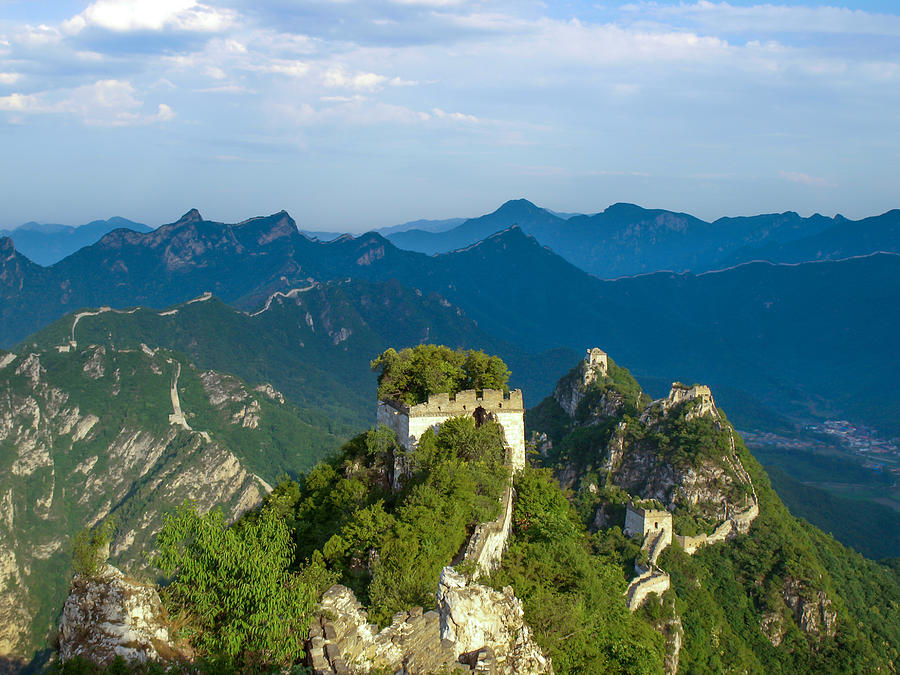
{"x":233,"y":587}
{"x":91,"y":548}
{"x":412,"y":374}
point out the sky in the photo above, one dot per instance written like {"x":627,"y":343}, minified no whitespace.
{"x":355,"y":114}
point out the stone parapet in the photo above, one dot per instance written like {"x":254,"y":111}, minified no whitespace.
{"x":465,"y":401}
{"x":488,"y":542}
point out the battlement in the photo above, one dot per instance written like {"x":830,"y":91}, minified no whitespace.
{"x":465,"y":402}
{"x":643,"y":522}
{"x":410,"y":422}
{"x":681,"y":392}
{"x":595,"y":362}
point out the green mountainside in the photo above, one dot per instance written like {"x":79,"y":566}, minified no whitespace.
{"x":782,"y":345}
{"x":748,"y":587}
{"x":314,"y":345}
{"x":776,"y":596}
{"x":93,"y":432}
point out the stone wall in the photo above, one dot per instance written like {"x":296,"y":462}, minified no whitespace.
{"x":654,"y":581}
{"x":690,"y":543}
{"x":487,"y":544}
{"x":743,"y":519}
{"x":409,"y":422}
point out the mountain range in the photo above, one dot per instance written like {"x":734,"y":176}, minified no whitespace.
{"x":267,"y":335}
{"x":626,"y":239}
{"x":46,"y":244}
{"x":760,"y":330}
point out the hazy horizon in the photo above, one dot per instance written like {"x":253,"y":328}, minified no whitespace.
{"x":357,"y":115}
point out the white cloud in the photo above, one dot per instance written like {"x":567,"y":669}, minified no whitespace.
{"x":361,"y":81}
{"x":164,"y":113}
{"x":455,"y":116}
{"x":806,"y":179}
{"x":18,"y":102}
{"x":150,"y":15}
{"x":10,"y":78}
{"x":773,"y":18}
{"x":112,"y":103}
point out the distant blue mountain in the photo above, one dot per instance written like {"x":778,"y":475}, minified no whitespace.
{"x":321,"y":235}
{"x":423,"y":225}
{"x":48,"y":243}
{"x":626,"y":239}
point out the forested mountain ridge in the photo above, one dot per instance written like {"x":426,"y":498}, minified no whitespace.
{"x":91,"y":432}
{"x":777,"y":593}
{"x":766,"y":594}
{"x":761,"y":334}
{"x":313,"y":344}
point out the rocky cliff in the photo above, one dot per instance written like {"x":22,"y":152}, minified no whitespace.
{"x":614,"y":447}
{"x":108,"y":615}
{"x":678,"y":450}
{"x":89,"y":433}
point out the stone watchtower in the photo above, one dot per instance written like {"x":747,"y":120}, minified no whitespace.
{"x":595,"y":363}
{"x":409,"y":422}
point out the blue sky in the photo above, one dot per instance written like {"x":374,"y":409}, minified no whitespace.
{"x":357,"y":114}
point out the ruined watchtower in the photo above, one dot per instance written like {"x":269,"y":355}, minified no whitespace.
{"x":641,"y":522}
{"x":595,"y":363}
{"x":410,"y":422}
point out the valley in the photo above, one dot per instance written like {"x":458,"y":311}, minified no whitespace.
{"x":243,"y":352}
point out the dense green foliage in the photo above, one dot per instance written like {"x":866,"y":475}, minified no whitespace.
{"x":233,"y":586}
{"x":390,"y":546}
{"x":733,"y":591}
{"x":572,"y":587}
{"x":841,"y":516}
{"x":91,"y":548}
{"x":413,"y":374}
{"x":740,"y":602}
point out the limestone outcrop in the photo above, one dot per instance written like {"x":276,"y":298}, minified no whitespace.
{"x":80,"y":454}
{"x":110,"y":615}
{"x":475,"y":617}
{"x":811,"y":608}
{"x":572,"y":388}
{"x":474,"y":629}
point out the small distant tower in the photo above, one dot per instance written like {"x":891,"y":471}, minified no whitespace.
{"x":595,"y":363}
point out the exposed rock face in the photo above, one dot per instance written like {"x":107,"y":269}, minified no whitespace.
{"x":343,"y":640}
{"x":109,"y":616}
{"x":718,"y":485}
{"x":474,"y":629}
{"x":70,"y":468}
{"x":474,"y":617}
{"x":227,"y":392}
{"x":812,"y":609}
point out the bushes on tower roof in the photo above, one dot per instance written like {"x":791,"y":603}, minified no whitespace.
{"x":413,"y":374}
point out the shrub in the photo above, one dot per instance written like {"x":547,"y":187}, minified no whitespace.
{"x":413,"y":374}
{"x":233,"y":586}
{"x":91,"y":548}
